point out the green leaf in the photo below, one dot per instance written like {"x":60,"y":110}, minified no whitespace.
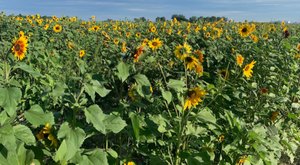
{"x":96,"y":87}
{"x":7,"y":137}
{"x":194,"y":129}
{"x":95,"y":116}
{"x":98,"y":156}
{"x":206,"y":115}
{"x":177,"y":85}
{"x":143,"y":87}
{"x":112,"y":153}
{"x":36,"y":116}
{"x":135,"y":125}
{"x":74,"y":138}
{"x":123,"y":71}
{"x":28,"y":69}
{"x":59,"y":89}
{"x":99,"y":88}
{"x":61,"y":153}
{"x":167,"y":95}
{"x":90,"y":91}
{"x":114,"y":123}
{"x":9,"y":99}
{"x":24,"y":134}
{"x":5,"y":119}
{"x":142,"y":80}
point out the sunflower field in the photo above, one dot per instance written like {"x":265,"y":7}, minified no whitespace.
{"x":134,"y":92}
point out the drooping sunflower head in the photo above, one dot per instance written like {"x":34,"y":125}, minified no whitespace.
{"x":46,"y":133}
{"x":242,"y":160}
{"x":182,"y":51}
{"x":138,"y":52}
{"x":298,"y":47}
{"x":254,"y":38}
{"x":200,"y":55}
{"x":224,"y":73}
{"x":190,"y":62}
{"x":124,"y":48}
{"x":155,"y":44}
{"x":20,"y":47}
{"x":71,"y":45}
{"x":239,"y":60}
{"x":194,"y":97}
{"x":247,"y":71}
{"x":57,"y":28}
{"x":46,"y":27}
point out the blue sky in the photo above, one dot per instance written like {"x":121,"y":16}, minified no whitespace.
{"x":239,"y":10}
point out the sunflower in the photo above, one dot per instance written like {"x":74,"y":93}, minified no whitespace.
{"x":70,"y":45}
{"x":254,"y":38}
{"x":193,"y":63}
{"x":239,"y":60}
{"x":155,"y":43}
{"x":145,"y":42}
{"x":95,"y":28}
{"x":138,"y":35}
{"x":20,"y":47}
{"x":221,"y":138}
{"x":298,"y":47}
{"x":244,"y":30}
{"x":46,"y":27}
{"x":169,"y":31}
{"x":81,"y":53}
{"x":46,"y":133}
{"x":132,"y":94}
{"x":116,"y":41}
{"x":216,"y":33}
{"x":129,"y":163}
{"x":115,"y":27}
{"x":248,"y":69}
{"x":207,"y":34}
{"x":152,"y":29}
{"x":274,"y":116}
{"x":200,"y":55}
{"x":57,"y":28}
{"x":193,"y":98}
{"x":182,"y":51}
{"x":124,"y":49}
{"x":272,"y":28}
{"x":265,"y":36}
{"x":21,"y":34}
{"x":242,"y":160}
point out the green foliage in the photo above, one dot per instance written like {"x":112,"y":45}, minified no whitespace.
{"x":164,"y":92}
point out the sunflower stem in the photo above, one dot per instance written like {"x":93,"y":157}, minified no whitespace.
{"x":165,"y":80}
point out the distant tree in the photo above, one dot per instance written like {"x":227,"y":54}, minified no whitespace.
{"x":160,"y":19}
{"x":141,"y":19}
{"x":193,"y":19}
{"x":179,"y":17}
